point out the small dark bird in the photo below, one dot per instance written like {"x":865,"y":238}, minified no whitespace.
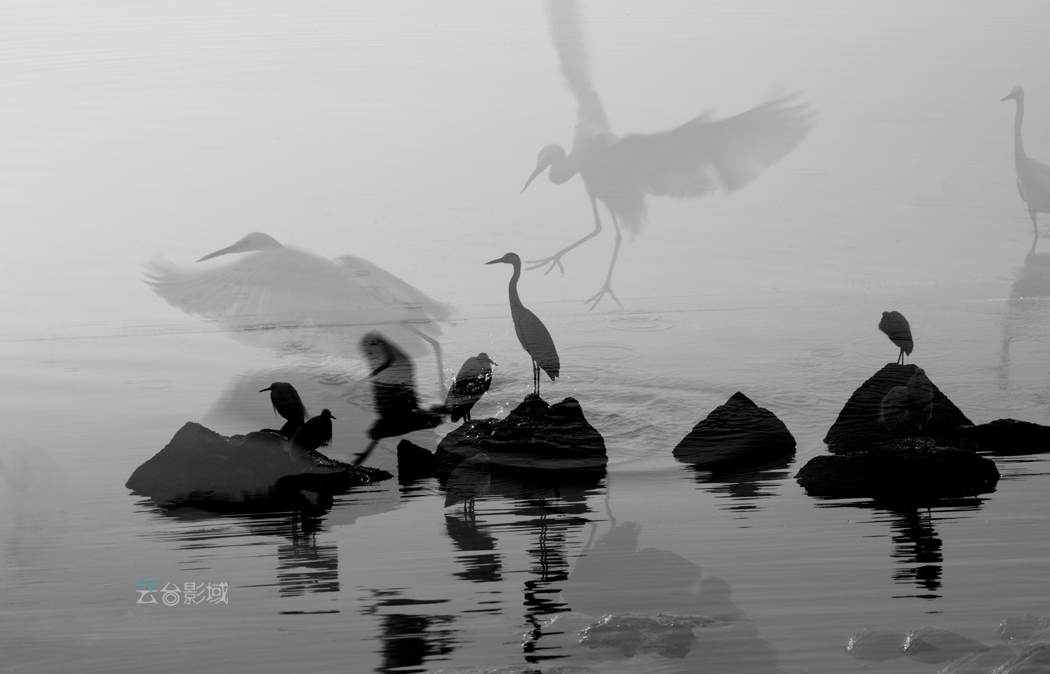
{"x":316,"y":432}
{"x":393,"y":392}
{"x":896,"y":327}
{"x":286,"y":402}
{"x":531,"y":331}
{"x":471,"y":383}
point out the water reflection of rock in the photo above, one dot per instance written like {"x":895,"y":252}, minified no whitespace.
{"x":1028,"y":309}
{"x":744,"y":489}
{"x":409,"y":639}
{"x":655,"y":597}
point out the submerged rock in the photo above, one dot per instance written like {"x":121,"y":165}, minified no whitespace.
{"x":534,"y":435}
{"x":199,"y":464}
{"x":1033,"y":660}
{"x":858,"y":427}
{"x":978,"y":662}
{"x":738,"y":434}
{"x":1025,"y":629}
{"x":1008,"y":437}
{"x":876,"y":644}
{"x":934,"y":644}
{"x":906,"y":471}
{"x":668,"y":635}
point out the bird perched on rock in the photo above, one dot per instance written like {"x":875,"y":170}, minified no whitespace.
{"x":286,"y":402}
{"x":532,"y":333}
{"x":393,"y":392}
{"x":896,"y":327}
{"x":472,"y":381}
{"x":315,"y":433}
{"x":912,"y":403}
{"x":689,"y":161}
{"x":1033,"y":177}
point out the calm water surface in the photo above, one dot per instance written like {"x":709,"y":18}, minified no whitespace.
{"x":403,"y":133}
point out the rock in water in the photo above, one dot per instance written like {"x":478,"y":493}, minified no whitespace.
{"x":1009,"y":437}
{"x":199,"y":464}
{"x":534,"y":435}
{"x":738,"y":434}
{"x":934,"y":644}
{"x":858,"y":429}
{"x":877,"y":645}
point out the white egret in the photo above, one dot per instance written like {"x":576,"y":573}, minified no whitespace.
{"x":531,"y":332}
{"x":1033,"y":178}
{"x":690,"y":161}
{"x":275,"y":295}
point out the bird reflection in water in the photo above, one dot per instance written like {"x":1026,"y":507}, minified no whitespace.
{"x":394,"y":393}
{"x":273,"y":295}
{"x":692,"y":160}
{"x":1028,"y":308}
{"x":470,"y":479}
{"x":532,"y":333}
{"x":1033,"y":178}
{"x":410,"y":639}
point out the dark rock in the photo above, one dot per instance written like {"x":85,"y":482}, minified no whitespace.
{"x":668,"y":635}
{"x":534,"y":435}
{"x":413,"y":462}
{"x":1008,"y":437}
{"x":736,"y":435}
{"x":198,"y":464}
{"x":902,"y":472}
{"x":857,"y":427}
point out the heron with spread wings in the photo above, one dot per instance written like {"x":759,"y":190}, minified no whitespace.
{"x":695,"y":159}
{"x":275,"y":295}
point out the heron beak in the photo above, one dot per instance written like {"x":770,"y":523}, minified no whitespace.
{"x":224,"y":251}
{"x":494,"y":261}
{"x":1006,"y":97}
{"x":330,"y":414}
{"x":262,"y":390}
{"x":539,"y":170}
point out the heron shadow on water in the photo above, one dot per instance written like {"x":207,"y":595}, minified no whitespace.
{"x":695,"y":159}
{"x":530,"y":330}
{"x":394,"y":393}
{"x":275,"y":296}
{"x":1033,"y":177}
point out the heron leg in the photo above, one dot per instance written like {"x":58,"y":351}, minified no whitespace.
{"x":606,"y":288}
{"x":1035,"y":225}
{"x":437,"y":354}
{"x":556,"y":258}
{"x":364,"y":455}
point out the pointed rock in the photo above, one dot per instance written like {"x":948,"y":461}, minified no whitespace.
{"x":738,"y":434}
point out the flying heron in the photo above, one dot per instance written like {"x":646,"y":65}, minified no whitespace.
{"x":1033,"y":178}
{"x":472,"y":381}
{"x":531,"y":331}
{"x":276,"y":295}
{"x":315,"y":433}
{"x":692,"y":160}
{"x":286,"y":402}
{"x":896,"y":327}
{"x":393,"y":392}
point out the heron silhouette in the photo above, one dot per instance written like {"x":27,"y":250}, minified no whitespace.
{"x":276,"y":295}
{"x":1033,"y":178}
{"x":286,"y":402}
{"x":393,"y":392}
{"x":531,"y":331}
{"x":472,"y":381}
{"x":896,"y":327}
{"x":690,"y":161}
{"x":315,"y":433}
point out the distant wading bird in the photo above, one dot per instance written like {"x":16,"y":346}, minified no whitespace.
{"x":276,"y":295}
{"x":690,"y":161}
{"x":1033,"y":178}
{"x":286,"y":402}
{"x":531,"y":332}
{"x":471,"y":383}
{"x":896,"y":327}
{"x":394,"y":393}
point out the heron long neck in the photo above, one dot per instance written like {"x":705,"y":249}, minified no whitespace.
{"x":1018,"y":145}
{"x":515,"y":301}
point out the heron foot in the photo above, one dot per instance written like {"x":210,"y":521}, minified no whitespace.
{"x":606,"y":289}
{"x":553,"y":260}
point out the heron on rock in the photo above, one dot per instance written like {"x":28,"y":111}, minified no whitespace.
{"x":896,"y":327}
{"x":315,"y":433}
{"x":279,"y":296}
{"x":472,"y":381}
{"x":1033,"y":178}
{"x":286,"y":402}
{"x":690,"y":161}
{"x":531,"y":331}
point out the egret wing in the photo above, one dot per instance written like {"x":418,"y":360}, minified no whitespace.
{"x":702,"y":155}
{"x":570,"y":41}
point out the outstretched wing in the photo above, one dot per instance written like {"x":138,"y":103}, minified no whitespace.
{"x":570,"y":41}
{"x":702,"y":155}
{"x":393,"y":376}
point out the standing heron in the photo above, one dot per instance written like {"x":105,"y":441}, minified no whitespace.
{"x":315,"y":433}
{"x":1033,"y":178}
{"x":394,"y":393}
{"x":896,"y":327}
{"x":472,"y":381}
{"x":531,"y":331}
{"x":275,"y":295}
{"x":690,"y":161}
{"x":286,"y":402}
